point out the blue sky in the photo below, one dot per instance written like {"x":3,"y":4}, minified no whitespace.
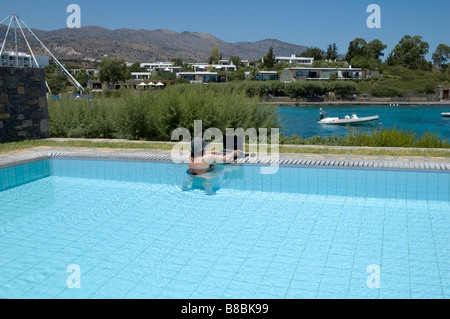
{"x":310,"y":23}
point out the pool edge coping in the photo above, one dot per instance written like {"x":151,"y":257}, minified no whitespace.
{"x":285,"y":160}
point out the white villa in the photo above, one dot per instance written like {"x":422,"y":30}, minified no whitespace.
{"x":307,"y":74}
{"x":267,"y":76}
{"x":202,"y":77}
{"x":140,"y":75}
{"x":22,"y":60}
{"x":224,"y":65}
{"x":161,"y":67}
{"x":295,"y":60}
{"x":152,"y":65}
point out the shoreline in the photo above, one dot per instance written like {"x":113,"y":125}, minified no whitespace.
{"x":363,"y":103}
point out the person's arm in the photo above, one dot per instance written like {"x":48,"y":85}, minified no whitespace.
{"x":211,"y":158}
{"x":228,"y":157}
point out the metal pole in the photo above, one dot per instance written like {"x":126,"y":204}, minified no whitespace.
{"x":71,"y":78}
{"x":4,"y":41}
{"x":15,"y":40}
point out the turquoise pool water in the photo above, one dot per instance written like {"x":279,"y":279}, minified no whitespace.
{"x":130,"y":231}
{"x":303,"y":120}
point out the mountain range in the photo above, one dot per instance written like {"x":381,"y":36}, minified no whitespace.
{"x":94,"y":42}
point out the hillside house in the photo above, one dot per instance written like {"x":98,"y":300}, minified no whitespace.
{"x":22,"y":60}
{"x":202,"y":67}
{"x":304,"y":74}
{"x":267,"y":76}
{"x":295,"y":60}
{"x":203,"y":77}
{"x":140,"y":75}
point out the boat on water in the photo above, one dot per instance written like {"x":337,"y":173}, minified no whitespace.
{"x":351,"y":120}
{"x":445,"y":114}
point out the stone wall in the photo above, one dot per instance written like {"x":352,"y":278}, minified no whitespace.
{"x":23,"y":104}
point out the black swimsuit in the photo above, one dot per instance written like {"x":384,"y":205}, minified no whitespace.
{"x":194,"y":171}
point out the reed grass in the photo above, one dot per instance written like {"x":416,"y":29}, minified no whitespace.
{"x":377,"y":138}
{"x":154,"y":115}
{"x":395,"y":138}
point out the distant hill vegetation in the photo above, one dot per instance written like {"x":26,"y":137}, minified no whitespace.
{"x":93,"y":42}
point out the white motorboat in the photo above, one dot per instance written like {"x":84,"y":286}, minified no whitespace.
{"x":352,"y":120}
{"x":445,"y":114}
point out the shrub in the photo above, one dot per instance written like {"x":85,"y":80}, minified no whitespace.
{"x":154,"y":115}
{"x":377,"y":138}
{"x":342,"y":88}
{"x":394,"y":138}
{"x":386,"y":91}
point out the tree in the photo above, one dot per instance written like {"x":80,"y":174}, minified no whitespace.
{"x":269,"y":59}
{"x":239,"y":75}
{"x":328,"y":64}
{"x":360,"y":48}
{"x":356,"y":48}
{"x":332,"y":52}
{"x":235,"y":60}
{"x":441,"y":56}
{"x":215,"y":55}
{"x":365,"y":63}
{"x":113,"y":70}
{"x":374,"y":49}
{"x":333,"y":77}
{"x":409,"y":52}
{"x":136,"y":67}
{"x":55,"y":79}
{"x":57,"y":83}
{"x":365,"y":55}
{"x":164,"y":76}
{"x":313,"y":52}
{"x":82,"y":77}
{"x":177,"y":62}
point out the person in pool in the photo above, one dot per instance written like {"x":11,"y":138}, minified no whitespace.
{"x":201,"y":163}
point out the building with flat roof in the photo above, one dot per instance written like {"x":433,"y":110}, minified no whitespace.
{"x":295,"y":60}
{"x":305,"y":74}
{"x":22,"y":60}
{"x":202,"y":67}
{"x":202,"y":77}
{"x":267,"y":76}
{"x":140,"y":75}
{"x":151,"y":65}
{"x":161,"y":67}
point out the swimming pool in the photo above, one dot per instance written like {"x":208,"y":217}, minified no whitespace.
{"x":73,"y":228}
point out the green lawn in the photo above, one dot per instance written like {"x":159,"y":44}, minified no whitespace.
{"x":14,"y":146}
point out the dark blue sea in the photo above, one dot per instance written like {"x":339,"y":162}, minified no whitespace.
{"x":302,"y":120}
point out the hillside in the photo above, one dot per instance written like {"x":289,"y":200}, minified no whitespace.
{"x":93,"y":42}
